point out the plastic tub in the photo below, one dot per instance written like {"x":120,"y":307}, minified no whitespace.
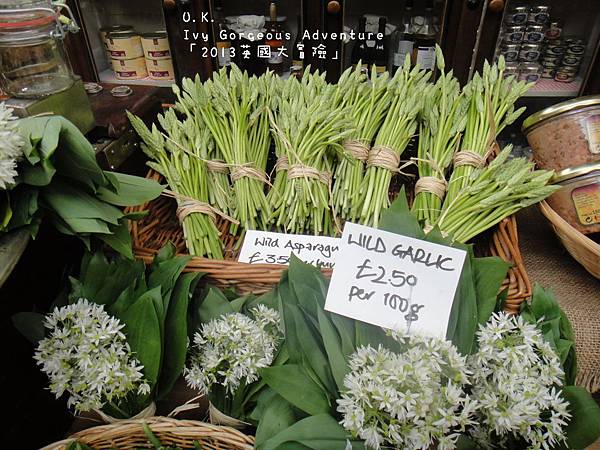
{"x":565,"y":135}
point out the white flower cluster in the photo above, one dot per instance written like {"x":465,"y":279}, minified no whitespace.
{"x":87,"y":356}
{"x":230,"y":350}
{"x":516,"y":374}
{"x":410,"y":399}
{"x":11,"y":145}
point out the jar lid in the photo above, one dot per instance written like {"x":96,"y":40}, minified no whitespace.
{"x":574,"y":172}
{"x":154,"y":35}
{"x":560,"y":108}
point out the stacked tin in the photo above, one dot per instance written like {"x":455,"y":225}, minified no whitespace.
{"x":523,"y":36}
{"x":125,"y":51}
{"x":562,"y":59}
{"x":157,"y":54}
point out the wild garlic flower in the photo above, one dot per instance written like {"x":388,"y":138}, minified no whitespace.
{"x":230,"y":350}
{"x":516,"y":381}
{"x":411,"y":399}
{"x":11,"y":145}
{"x":87,"y":356}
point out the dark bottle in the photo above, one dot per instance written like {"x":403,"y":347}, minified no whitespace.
{"x":360,"y":51}
{"x":223,"y":39}
{"x":424,"y":51}
{"x":380,"y":52}
{"x":405,"y":39}
{"x":297,"y":68}
{"x":274,"y":39}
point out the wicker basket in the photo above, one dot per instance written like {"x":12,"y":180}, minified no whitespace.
{"x":129,"y":434}
{"x":160,"y":226}
{"x":581,"y":247}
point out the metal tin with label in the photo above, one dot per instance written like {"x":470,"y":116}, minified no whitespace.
{"x":530,"y":52}
{"x":160,"y":69}
{"x":565,"y":74}
{"x":517,"y":15}
{"x":510,"y":52}
{"x":512,"y":68}
{"x":539,"y":15}
{"x":156,"y":45}
{"x":124,"y":45}
{"x":548,"y":72}
{"x":554,"y":30}
{"x":554,"y":49}
{"x":574,"y":41}
{"x":530,"y":72}
{"x":571,"y":60}
{"x":514,"y":33}
{"x":130,"y":69}
{"x":104,"y":31}
{"x":551,"y":61}
{"x":534,"y":34}
{"x":576,"y":49}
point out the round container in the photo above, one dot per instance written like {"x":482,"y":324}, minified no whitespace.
{"x":514,"y":34}
{"x":571,"y":61}
{"x":156,"y":45}
{"x":553,"y":49}
{"x":510,"y":52}
{"x":550,"y":62}
{"x":130,"y":69}
{"x":160,"y":69}
{"x":517,"y":15}
{"x":548,"y":72}
{"x":104,"y":31}
{"x":511,"y":68}
{"x":530,"y":52}
{"x":554,"y":30}
{"x":124,"y":45}
{"x":576,"y":49}
{"x":574,"y":41}
{"x":534,"y":34}
{"x":33,"y":62}
{"x":530,"y":72}
{"x":565,"y":74}
{"x":539,"y":15}
{"x":566,"y":134}
{"x":578,"y":200}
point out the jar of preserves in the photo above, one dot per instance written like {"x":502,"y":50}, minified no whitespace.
{"x":511,"y":69}
{"x":517,"y":15}
{"x":33,"y":62}
{"x":578,"y":200}
{"x":539,"y":15}
{"x":513,"y":34}
{"x":510,"y":52}
{"x":554,"y":30}
{"x":530,"y":72}
{"x":548,"y":72}
{"x":566,"y":74}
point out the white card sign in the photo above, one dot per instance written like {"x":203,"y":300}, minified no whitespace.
{"x":394,"y":281}
{"x":265,"y":247}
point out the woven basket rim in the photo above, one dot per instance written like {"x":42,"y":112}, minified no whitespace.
{"x":185,"y":431}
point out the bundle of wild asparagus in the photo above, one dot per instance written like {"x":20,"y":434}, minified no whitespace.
{"x":309,"y":131}
{"x":407,"y":89}
{"x":368,"y":102}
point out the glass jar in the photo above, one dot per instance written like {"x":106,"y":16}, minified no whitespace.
{"x":33,"y":62}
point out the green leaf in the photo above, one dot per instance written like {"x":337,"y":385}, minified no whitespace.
{"x":308,"y":284}
{"x":584,"y":428}
{"x":464,"y":318}
{"x":398,"y":218}
{"x":278,"y":415}
{"x":142,"y":328}
{"x":333,"y":347}
{"x":489,"y":276}
{"x":319,"y":432}
{"x":165,"y":275}
{"x":131,"y":190}
{"x":347,"y":332}
{"x":293,"y":383}
{"x":214,"y":305}
{"x":30,"y":325}
{"x":176,"y":334}
{"x":119,"y":239}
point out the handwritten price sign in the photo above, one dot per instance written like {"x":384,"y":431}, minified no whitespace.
{"x":394,"y":281}
{"x":265,"y":247}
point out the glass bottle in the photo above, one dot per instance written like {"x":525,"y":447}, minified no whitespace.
{"x":404,"y":40}
{"x":380,"y":52}
{"x":274,"y":39}
{"x":297,"y":68}
{"x":360,"y":51}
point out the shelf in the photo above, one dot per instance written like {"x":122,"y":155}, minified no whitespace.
{"x":551,"y":88}
{"x":108,"y":76}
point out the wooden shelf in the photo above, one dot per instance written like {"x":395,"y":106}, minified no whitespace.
{"x":108,"y":76}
